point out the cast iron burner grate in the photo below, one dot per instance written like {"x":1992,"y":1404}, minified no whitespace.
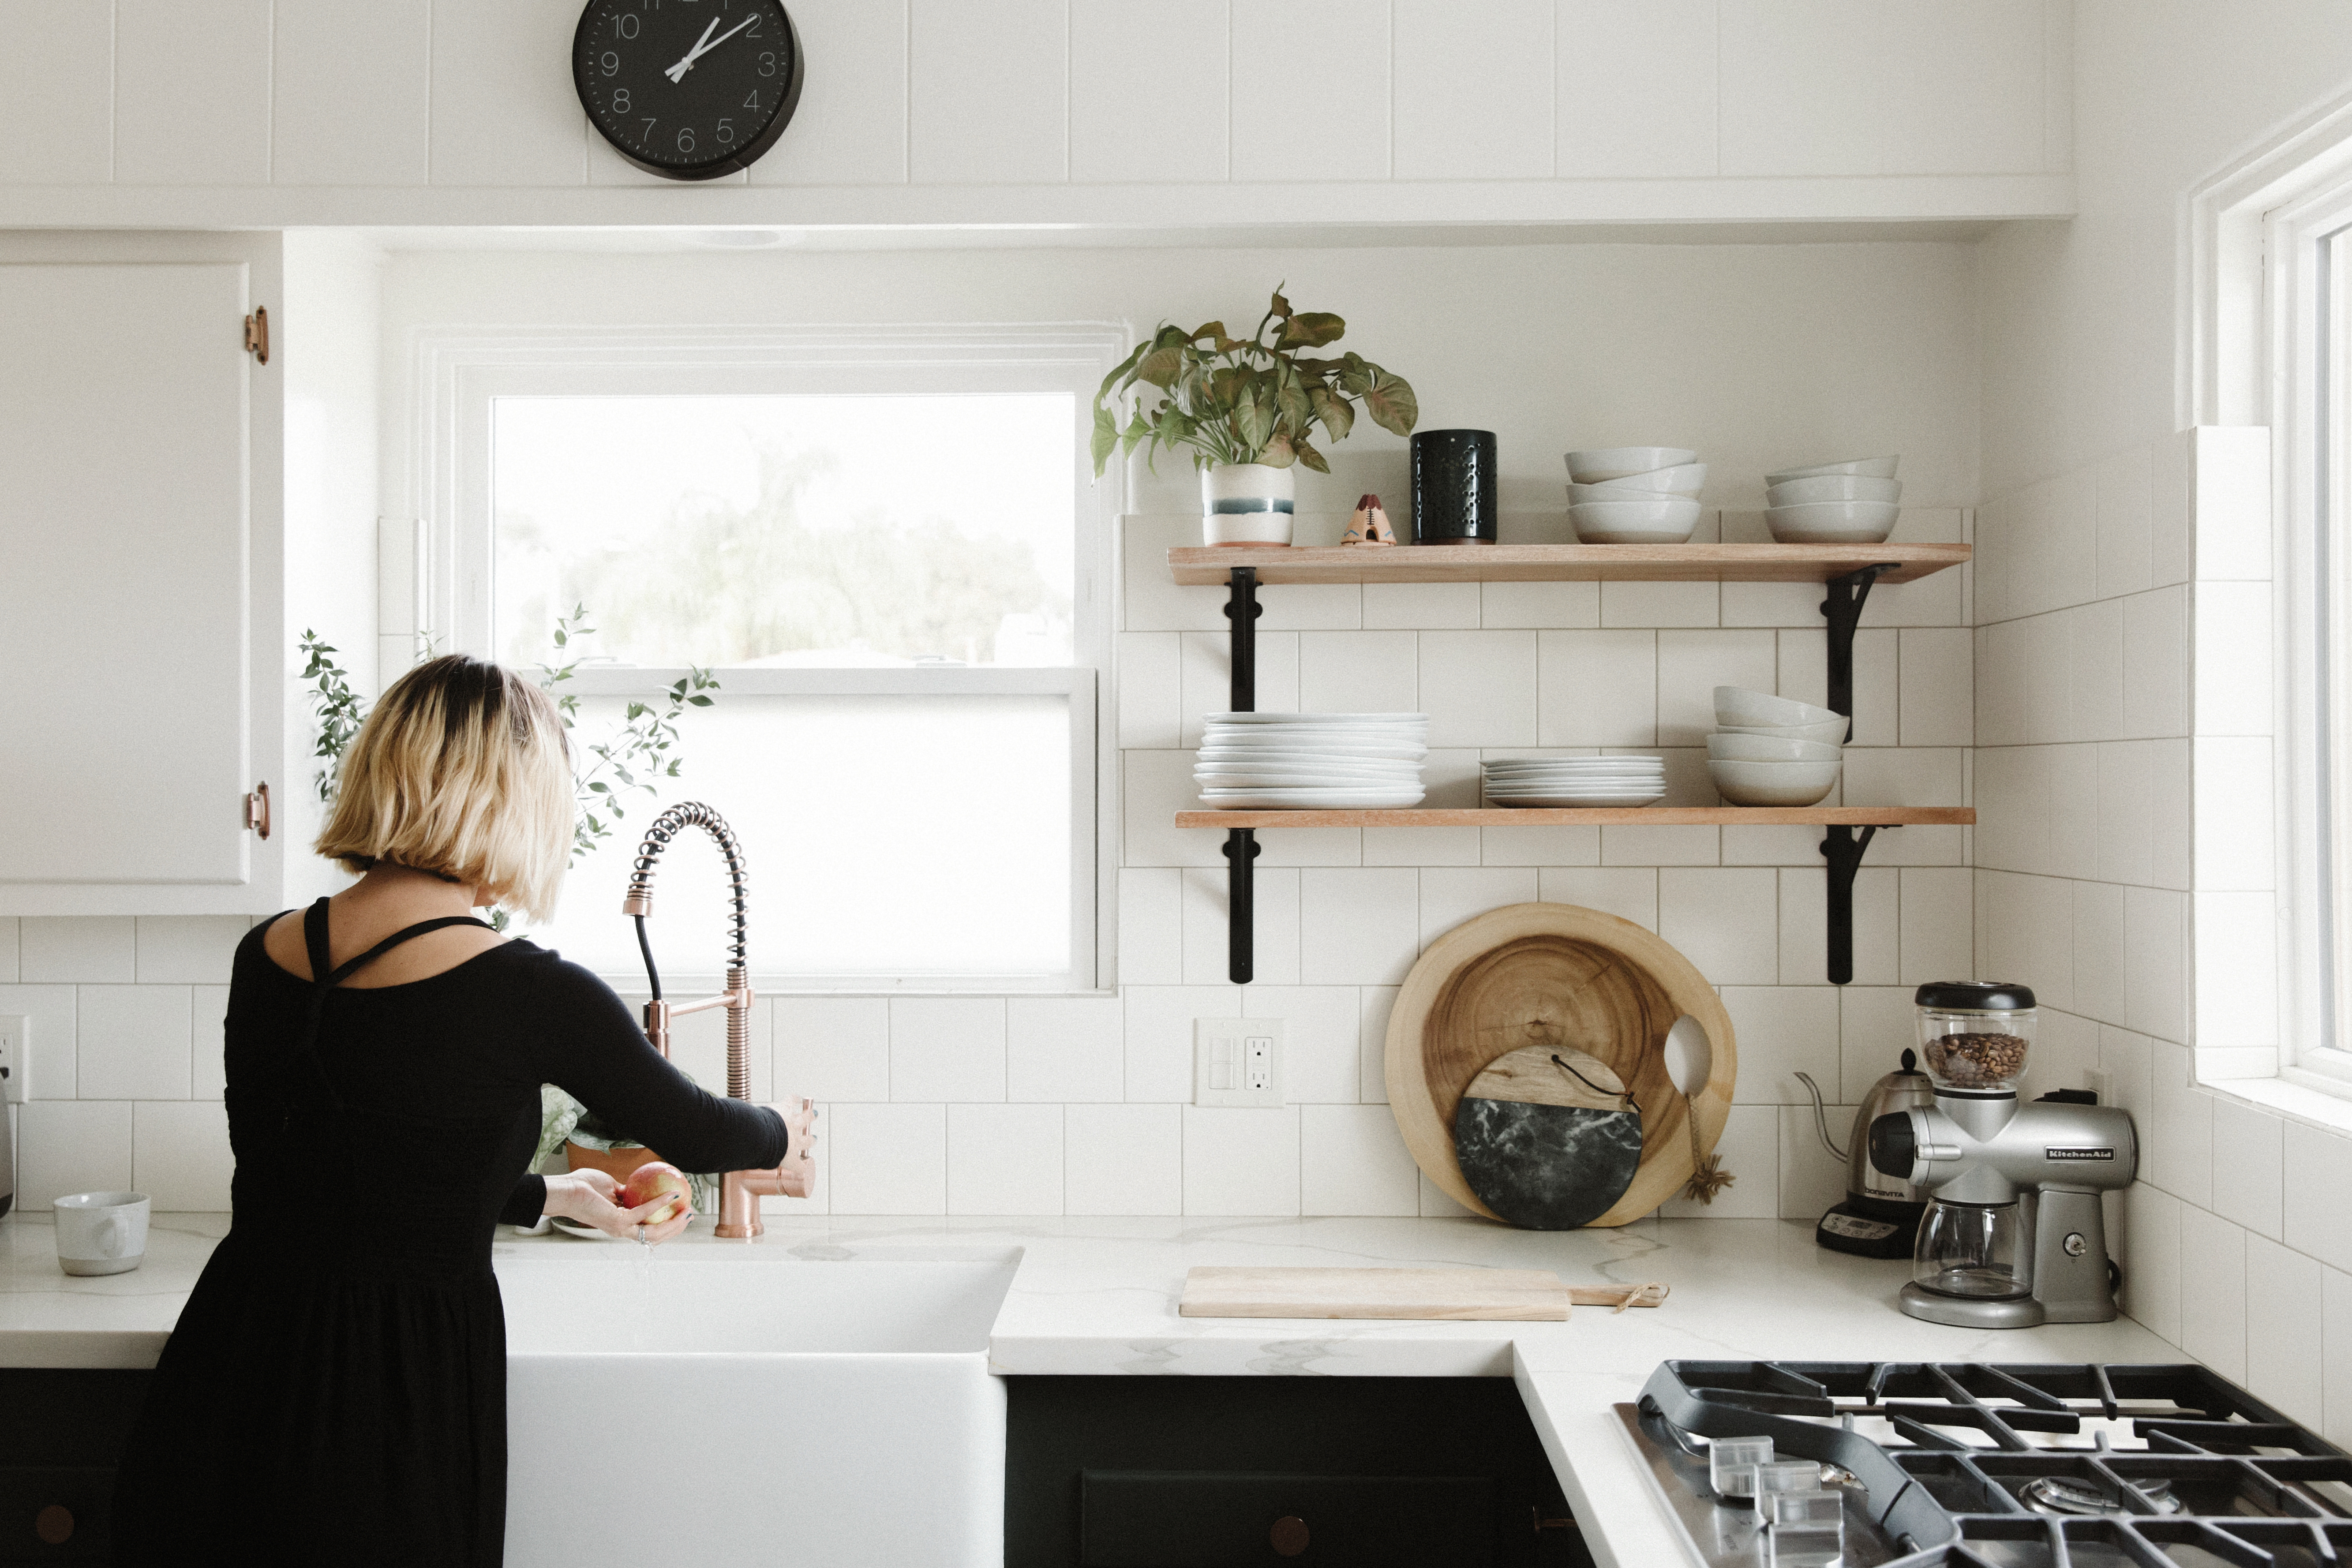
{"x":2062,"y":1466}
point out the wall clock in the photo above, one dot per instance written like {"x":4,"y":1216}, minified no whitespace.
{"x":690,"y":89}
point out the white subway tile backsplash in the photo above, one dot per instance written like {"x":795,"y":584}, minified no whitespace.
{"x":1935,"y":686}
{"x":1064,"y":1048}
{"x":1358,"y":926}
{"x":2181,"y":1142}
{"x":1274,"y":946}
{"x":1422,"y":606}
{"x":2126,"y":519}
{"x":831,"y":1048}
{"x":1629,"y":892}
{"x":2148,"y":1252}
{"x":888,"y":1159}
{"x":1804,"y":925}
{"x":2065,"y":1050}
{"x":208,"y":1077}
{"x":180,"y":1154}
{"x":2248,"y":1167}
{"x":1158,"y":1022}
{"x":1352,"y":1160}
{"x":2336,"y":1356}
{"x":71,"y":1146}
{"x":1151,"y":925}
{"x":2213,"y":1291}
{"x":1208,"y":676}
{"x":134,"y":1042}
{"x":1150,"y":690}
{"x":2235,"y":842}
{"x":1937,"y":924}
{"x":77,"y":948}
{"x":1451,"y":895}
{"x":2095,"y":651}
{"x":1875,"y":1026}
{"x":51,"y":1011}
{"x":2232,"y":503}
{"x":2285,"y":1317}
{"x":2099,"y":950}
{"x":1155,"y":787}
{"x":1661,"y":604}
{"x":187,"y":950}
{"x":1812,"y":1179}
{"x":947,"y":1047}
{"x":2318,"y":1173}
{"x":2156,"y":657}
{"x":1692,"y":664}
{"x":1357,"y":672}
{"x":1640,"y":845}
{"x":1004,"y":1159}
{"x":1123,"y":1160}
{"x":8,"y":975}
{"x":1374,"y":1003}
{"x":1240,"y":1162}
{"x":1724,"y":919}
{"x":2156,"y":962}
{"x":1543,"y":605}
{"x":1321,"y":1039}
{"x":1751,"y":1150}
{"x":1783,"y":1030}
{"x":1429,"y":846}
{"x":1478,"y":688}
{"x":1597,"y":688}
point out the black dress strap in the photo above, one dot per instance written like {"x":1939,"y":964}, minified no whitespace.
{"x":324,"y":980}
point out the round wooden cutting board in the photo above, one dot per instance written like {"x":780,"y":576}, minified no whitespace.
{"x":1556,"y":976}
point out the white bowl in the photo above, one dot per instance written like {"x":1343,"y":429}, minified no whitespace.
{"x":1660,"y":519}
{"x":1833,"y":521}
{"x":1770,"y":749}
{"x":1599,"y":463}
{"x":1773,"y":783}
{"x":1831,"y":487}
{"x":1858,"y":467}
{"x":1682,"y":479}
{"x":1739,"y":705}
{"x":1828,"y":732}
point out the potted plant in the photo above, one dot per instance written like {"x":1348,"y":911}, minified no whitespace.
{"x":1244,"y":408}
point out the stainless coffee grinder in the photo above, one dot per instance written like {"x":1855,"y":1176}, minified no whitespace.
{"x":1880,"y":1217}
{"x":2014,"y":1234}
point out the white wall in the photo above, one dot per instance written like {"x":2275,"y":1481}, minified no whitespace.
{"x":285,"y":113}
{"x":2236,"y":1240}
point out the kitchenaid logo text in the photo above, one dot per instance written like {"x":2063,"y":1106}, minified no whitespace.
{"x":2065,"y":1153}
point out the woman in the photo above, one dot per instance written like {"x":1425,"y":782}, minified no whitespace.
{"x":335,"y":1391}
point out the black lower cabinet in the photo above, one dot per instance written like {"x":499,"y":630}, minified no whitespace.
{"x":61,"y":1435}
{"x":1233,"y":1472}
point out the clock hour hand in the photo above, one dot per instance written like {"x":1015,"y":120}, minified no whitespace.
{"x":678,"y":72}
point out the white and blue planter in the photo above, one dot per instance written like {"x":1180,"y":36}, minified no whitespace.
{"x":1247,"y":503}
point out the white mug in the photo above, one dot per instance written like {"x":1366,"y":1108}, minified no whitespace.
{"x":102,"y":1233}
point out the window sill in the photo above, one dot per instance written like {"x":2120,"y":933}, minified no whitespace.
{"x":2325,"y":1108}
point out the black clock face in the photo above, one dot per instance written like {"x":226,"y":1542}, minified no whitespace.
{"x":689,"y":88}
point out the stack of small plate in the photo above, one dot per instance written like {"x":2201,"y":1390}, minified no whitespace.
{"x":1556,"y":781}
{"x":1311,"y":761}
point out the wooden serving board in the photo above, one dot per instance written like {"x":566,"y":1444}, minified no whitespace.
{"x":1521,"y":1295}
{"x":1556,"y":976}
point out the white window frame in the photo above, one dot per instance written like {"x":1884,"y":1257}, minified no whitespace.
{"x":458,"y":372}
{"x":2270,"y":263}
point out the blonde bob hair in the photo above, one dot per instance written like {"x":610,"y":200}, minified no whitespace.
{"x":463,"y":770}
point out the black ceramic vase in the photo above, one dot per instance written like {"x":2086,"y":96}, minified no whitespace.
{"x":1453,"y":488}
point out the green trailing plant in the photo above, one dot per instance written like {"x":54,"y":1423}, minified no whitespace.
{"x":338,"y":707}
{"x":629,"y":760}
{"x":1246,"y":400}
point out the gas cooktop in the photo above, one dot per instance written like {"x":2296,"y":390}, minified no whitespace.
{"x":1945,"y":1464}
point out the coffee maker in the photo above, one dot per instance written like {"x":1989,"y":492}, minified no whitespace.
{"x":2014,"y":1234}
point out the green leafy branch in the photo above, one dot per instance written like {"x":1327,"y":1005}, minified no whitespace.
{"x":339,"y":709}
{"x":629,"y":761}
{"x":1246,"y":400}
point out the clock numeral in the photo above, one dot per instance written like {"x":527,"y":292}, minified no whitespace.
{"x":625,"y":26}
{"x":767,"y":65}
{"x":752,"y":102}
{"x":753,"y":30}
{"x":620,"y":101}
{"x":649,"y":129}
{"x":726,"y":134}
{"x":611,"y":62}
{"x":686,"y":139}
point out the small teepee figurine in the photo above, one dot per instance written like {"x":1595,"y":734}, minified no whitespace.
{"x":1370,"y":525}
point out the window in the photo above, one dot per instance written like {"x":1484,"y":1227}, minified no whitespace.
{"x":886,"y":548}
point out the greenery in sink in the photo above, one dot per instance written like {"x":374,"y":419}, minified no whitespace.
{"x":1246,"y":400}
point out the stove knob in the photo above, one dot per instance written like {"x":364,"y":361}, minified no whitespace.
{"x":2075,"y":1244}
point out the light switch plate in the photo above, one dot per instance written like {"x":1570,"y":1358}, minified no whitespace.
{"x":1237,"y":1062}
{"x":15,"y":1051}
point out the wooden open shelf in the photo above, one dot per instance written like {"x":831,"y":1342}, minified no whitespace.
{"x":1209,"y":565}
{"x":1594,"y":817}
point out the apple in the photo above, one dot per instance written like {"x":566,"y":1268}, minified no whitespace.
{"x":650,"y":1181}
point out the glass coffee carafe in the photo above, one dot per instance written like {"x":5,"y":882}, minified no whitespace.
{"x":1978,"y":1251}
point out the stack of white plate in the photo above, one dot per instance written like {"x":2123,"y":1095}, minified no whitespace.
{"x":1634,"y":495}
{"x":1311,"y":761}
{"x":1853,"y":502}
{"x":1556,"y":781}
{"x":1773,"y":751}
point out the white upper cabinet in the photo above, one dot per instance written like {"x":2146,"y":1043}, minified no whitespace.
{"x":140,"y":609}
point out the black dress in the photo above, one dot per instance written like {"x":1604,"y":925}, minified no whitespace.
{"x":335,"y":1390}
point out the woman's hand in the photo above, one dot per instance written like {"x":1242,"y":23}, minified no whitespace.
{"x":798,"y":1172}
{"x":591,"y":1198}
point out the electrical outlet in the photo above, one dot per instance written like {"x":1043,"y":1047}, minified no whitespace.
{"x":15,"y":1051}
{"x":1237,"y":1061}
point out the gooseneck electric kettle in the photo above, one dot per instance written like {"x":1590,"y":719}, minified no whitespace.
{"x":1880,"y":1217}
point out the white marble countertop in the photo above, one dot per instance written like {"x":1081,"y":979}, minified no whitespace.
{"x":1098,"y":1296}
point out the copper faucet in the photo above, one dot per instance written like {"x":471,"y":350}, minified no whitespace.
{"x":739,"y":1192}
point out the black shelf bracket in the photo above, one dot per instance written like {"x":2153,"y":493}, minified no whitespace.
{"x":1843,"y":610}
{"x":1842,"y":848}
{"x":1242,"y":609}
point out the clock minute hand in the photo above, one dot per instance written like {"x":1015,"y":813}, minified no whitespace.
{"x":701,"y":49}
{"x":678,"y":72}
